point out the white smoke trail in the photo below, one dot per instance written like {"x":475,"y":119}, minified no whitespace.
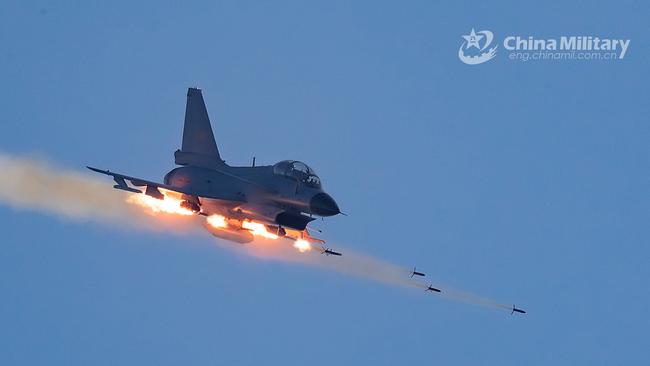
{"x":32,"y":184}
{"x":351,"y":263}
{"x":358,"y":265}
{"x":466,"y":297}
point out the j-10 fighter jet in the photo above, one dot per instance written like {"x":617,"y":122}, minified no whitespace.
{"x":285,"y":197}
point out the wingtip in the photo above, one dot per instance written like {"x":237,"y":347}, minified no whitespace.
{"x":108,"y":172}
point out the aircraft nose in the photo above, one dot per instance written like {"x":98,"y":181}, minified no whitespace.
{"x":323,"y":204}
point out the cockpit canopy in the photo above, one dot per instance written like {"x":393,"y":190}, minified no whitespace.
{"x":298,"y":171}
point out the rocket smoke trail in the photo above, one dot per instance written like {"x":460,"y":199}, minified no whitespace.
{"x":35,"y":185}
{"x":364,"y":266}
{"x":32,"y":184}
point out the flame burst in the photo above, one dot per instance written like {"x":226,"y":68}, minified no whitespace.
{"x":258,"y":229}
{"x":302,"y":245}
{"x":216,"y":221}
{"x":170,"y":205}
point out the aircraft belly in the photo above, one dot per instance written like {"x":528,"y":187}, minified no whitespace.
{"x":257,"y":212}
{"x":211,"y":206}
{"x":240,"y":211}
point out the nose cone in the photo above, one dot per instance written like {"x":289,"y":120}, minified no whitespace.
{"x":323,"y":204}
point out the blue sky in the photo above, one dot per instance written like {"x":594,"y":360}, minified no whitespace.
{"x":525,"y":182}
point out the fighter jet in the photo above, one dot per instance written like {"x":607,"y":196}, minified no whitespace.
{"x":288,"y":194}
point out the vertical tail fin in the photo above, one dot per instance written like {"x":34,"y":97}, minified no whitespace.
{"x":199,"y":147}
